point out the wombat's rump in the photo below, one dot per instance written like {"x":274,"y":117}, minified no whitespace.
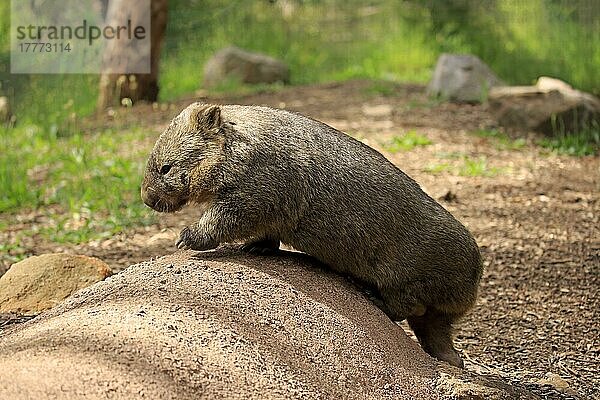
{"x":268,"y":176}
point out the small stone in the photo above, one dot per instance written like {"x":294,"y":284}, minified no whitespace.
{"x":40,"y":282}
{"x":556,"y":381}
{"x":544,"y":198}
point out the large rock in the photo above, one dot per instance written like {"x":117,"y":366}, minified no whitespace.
{"x":235,"y":63}
{"x":40,"y":282}
{"x":221,"y":325}
{"x":550,"y":107}
{"x":461,"y":78}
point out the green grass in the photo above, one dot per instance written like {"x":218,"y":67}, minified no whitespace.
{"x":338,"y":40}
{"x":406,"y":142}
{"x":88,"y":185}
{"x":501,"y":140}
{"x":583,"y":143}
{"x":506,"y":35}
{"x":468,"y":166}
{"x":12,"y":252}
{"x":477,"y":167}
{"x":320,"y":41}
{"x":383,"y":88}
{"x":233,"y":87}
{"x":438,"y":168}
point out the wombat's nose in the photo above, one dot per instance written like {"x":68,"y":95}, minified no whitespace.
{"x":149,"y":196}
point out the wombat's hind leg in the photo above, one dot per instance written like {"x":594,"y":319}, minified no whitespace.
{"x":433,"y":329}
{"x":378,"y":301}
{"x":265,"y":246}
{"x":398,"y":304}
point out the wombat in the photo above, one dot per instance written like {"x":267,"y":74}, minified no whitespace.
{"x":266,"y":176}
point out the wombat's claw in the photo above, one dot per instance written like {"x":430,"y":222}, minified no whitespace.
{"x":451,"y":358}
{"x":258,"y":251}
{"x":184,"y":241}
{"x":189,"y":241}
{"x":180,"y":245}
{"x":263,"y":247}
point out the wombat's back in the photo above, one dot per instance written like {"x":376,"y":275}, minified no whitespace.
{"x":359,"y":213}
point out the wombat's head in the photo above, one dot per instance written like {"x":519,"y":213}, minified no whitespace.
{"x":184,"y":158}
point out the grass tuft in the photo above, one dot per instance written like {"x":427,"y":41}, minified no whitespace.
{"x":583,"y":143}
{"x":477,"y":167}
{"x":473,"y":167}
{"x":407,"y":142}
{"x":438,"y":168}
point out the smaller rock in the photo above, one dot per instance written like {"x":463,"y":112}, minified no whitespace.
{"x":554,"y":380}
{"x":557,"y":382}
{"x":462,"y":78}
{"x":235,"y":63}
{"x":40,"y":282}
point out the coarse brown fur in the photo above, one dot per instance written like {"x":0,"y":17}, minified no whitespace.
{"x":266,"y":175}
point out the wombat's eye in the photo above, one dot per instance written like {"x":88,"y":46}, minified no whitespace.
{"x":165,"y":169}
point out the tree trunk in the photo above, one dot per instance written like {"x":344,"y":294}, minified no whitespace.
{"x":115,"y":87}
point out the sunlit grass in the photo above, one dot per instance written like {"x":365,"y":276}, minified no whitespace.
{"x":406,"y":142}
{"x":501,"y":140}
{"x":88,"y":185}
{"x":477,"y":167}
{"x":334,"y":41}
{"x":582,"y":143}
{"x":464,"y":165}
{"x":383,"y":88}
{"x":436,"y":168}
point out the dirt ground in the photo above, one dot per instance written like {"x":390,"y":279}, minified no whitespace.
{"x":534,"y":214}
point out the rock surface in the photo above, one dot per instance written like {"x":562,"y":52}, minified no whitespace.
{"x":461,"y":78}
{"x":40,"y":282}
{"x":222,"y":325}
{"x":550,"y":107}
{"x":235,"y":63}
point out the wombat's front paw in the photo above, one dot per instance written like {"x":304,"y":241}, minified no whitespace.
{"x":190,"y":239}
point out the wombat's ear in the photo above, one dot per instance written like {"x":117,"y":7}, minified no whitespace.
{"x":206,"y":117}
